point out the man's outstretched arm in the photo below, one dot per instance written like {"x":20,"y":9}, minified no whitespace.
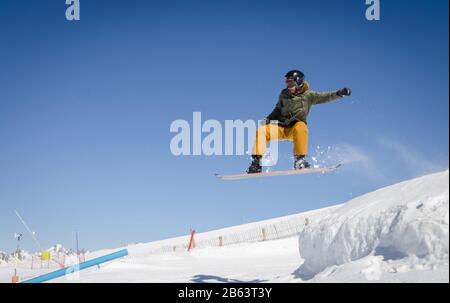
{"x":321,"y":98}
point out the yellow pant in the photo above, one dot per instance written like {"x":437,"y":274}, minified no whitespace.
{"x":298,"y":133}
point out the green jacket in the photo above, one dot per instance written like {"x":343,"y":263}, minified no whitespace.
{"x":295,"y":107}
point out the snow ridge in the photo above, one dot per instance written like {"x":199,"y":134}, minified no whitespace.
{"x":405,"y":220}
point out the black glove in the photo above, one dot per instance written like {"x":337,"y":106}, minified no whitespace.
{"x":344,"y":92}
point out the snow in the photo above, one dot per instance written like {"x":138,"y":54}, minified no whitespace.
{"x":395,"y":234}
{"x":406,"y":219}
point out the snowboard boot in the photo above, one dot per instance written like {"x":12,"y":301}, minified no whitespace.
{"x":255,"y":167}
{"x":300,"y":162}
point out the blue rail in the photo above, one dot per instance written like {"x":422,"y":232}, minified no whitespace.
{"x":77,"y":267}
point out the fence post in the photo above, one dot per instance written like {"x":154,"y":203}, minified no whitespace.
{"x":191,"y":240}
{"x":220,"y":241}
{"x":263,"y":234}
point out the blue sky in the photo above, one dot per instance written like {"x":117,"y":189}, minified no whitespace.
{"x":85,"y":109}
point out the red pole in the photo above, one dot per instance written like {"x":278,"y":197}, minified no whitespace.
{"x":191,"y":240}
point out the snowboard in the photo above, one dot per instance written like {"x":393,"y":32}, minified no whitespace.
{"x":309,"y":170}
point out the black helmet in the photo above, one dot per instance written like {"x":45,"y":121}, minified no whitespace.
{"x":296,"y":75}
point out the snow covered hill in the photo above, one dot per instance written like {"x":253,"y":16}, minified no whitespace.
{"x":408,"y":221}
{"x":395,"y":234}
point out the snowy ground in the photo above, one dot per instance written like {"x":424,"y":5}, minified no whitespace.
{"x":396,"y":234}
{"x":271,"y":261}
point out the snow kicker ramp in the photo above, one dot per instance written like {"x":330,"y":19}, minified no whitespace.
{"x":408,"y":218}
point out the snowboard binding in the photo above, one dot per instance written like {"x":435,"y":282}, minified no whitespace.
{"x":255,"y":167}
{"x":300,"y":162}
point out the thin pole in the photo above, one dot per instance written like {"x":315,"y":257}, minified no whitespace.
{"x":76,"y":244}
{"x":28,"y":229}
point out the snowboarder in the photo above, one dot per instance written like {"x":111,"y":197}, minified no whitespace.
{"x":288,"y":120}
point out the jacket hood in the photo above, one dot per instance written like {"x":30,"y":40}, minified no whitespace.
{"x":305,"y":87}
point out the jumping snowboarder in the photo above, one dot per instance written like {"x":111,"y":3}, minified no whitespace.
{"x":288,"y":120}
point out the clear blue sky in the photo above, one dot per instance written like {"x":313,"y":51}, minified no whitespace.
{"x":85,"y":109}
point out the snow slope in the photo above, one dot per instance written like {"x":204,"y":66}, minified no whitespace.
{"x":395,"y":234}
{"x":409,"y":219}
